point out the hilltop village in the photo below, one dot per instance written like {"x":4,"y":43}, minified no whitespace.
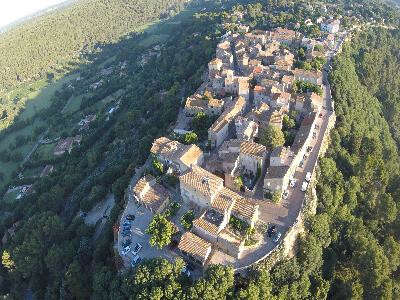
{"x":268,"y":116}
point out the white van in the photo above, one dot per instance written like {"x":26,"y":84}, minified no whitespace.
{"x":308,"y":176}
{"x":304,"y":186}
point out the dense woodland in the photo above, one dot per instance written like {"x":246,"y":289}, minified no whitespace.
{"x":60,"y":41}
{"x":357,"y":225}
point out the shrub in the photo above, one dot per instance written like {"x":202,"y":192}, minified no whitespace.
{"x":187,"y":220}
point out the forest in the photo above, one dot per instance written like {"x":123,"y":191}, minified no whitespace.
{"x":357,"y":225}
{"x":59,"y":42}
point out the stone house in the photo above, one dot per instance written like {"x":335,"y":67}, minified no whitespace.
{"x":151,"y":194}
{"x":218,"y":132}
{"x":314,"y":77}
{"x":194,"y":248}
{"x":199,"y":103}
{"x":176,"y":155}
{"x":200,"y":186}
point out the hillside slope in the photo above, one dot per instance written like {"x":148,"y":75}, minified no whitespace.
{"x":46,"y":44}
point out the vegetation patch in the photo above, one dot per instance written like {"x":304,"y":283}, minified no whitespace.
{"x":153,"y":40}
{"x":187,"y":219}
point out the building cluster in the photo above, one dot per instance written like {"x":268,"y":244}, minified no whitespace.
{"x":249,"y":87}
{"x":66,"y":145}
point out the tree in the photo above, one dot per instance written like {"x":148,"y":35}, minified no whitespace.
{"x":158,"y":167}
{"x":187,"y":219}
{"x":276,"y":196}
{"x":190,"y":138}
{"x":238,"y":182}
{"x":272,"y":137}
{"x":7,"y":261}
{"x":161,"y":231}
{"x":76,"y":281}
{"x":217,"y":282}
{"x":288,"y":123}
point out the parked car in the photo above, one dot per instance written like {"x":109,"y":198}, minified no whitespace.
{"x":126,"y":233}
{"x":301,"y":164}
{"x":276,"y":236}
{"x":136,"y":260}
{"x":304,"y":186}
{"x":127,"y":223}
{"x":136,"y":249}
{"x":126,"y":243}
{"x":125,"y":250}
{"x":285,"y":195}
{"x":293,"y":182}
{"x":130,"y":217}
{"x":186,"y":271}
{"x":308,"y":176}
{"x":271,"y":230}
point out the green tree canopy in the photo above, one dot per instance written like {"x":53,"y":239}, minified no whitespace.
{"x":272,"y":137}
{"x":161,"y":231}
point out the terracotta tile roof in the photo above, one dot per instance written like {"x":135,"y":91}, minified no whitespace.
{"x":142,"y":183}
{"x":245,"y":208}
{"x":150,"y":193}
{"x":253,"y":149}
{"x":194,"y":246}
{"x":228,"y":115}
{"x":175,"y":151}
{"x":305,"y":73}
{"x":224,"y":45}
{"x":282,"y":96}
{"x":202,"y":181}
{"x":276,"y":118}
{"x":155,"y":197}
{"x":287,"y":79}
{"x":215,"y":61}
{"x":192,"y":155}
{"x":259,"y":88}
{"x":206,"y":226}
{"x":257,"y":70}
{"x":199,"y":102}
{"x":224,"y":200}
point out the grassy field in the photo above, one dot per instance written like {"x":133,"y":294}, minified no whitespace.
{"x":45,"y":152}
{"x":32,"y":172}
{"x":73,"y":105}
{"x":11,"y":197}
{"x":154,"y":39}
{"x":113,"y":96}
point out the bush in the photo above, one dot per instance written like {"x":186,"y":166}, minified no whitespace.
{"x":187,"y":220}
{"x":239,"y":225}
{"x":172,"y":209}
{"x":276,"y":197}
{"x":158,"y":167}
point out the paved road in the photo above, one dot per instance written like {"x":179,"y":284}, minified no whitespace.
{"x":39,"y":141}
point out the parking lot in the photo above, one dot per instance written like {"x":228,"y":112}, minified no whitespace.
{"x":138,"y":235}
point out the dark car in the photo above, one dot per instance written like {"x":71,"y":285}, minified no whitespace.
{"x":126,"y":233}
{"x":271,"y":230}
{"x":126,"y":243}
{"x":130,"y":217}
{"x":276,"y":236}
